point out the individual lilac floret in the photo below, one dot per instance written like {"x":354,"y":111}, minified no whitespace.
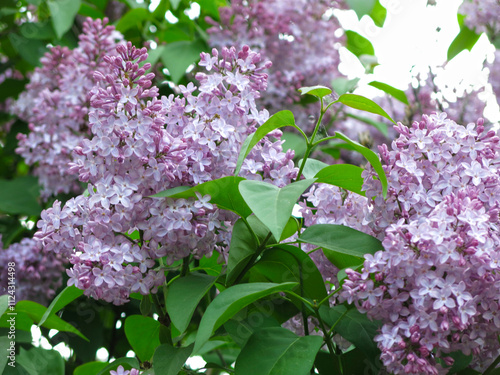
{"x":120,"y":370}
{"x":435,"y":287}
{"x":142,"y":145}
{"x":56,"y":106}
{"x":38,"y":273}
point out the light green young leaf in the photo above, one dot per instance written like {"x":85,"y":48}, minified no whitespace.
{"x":358,"y":44}
{"x":272,"y":205}
{"x":278,"y":120}
{"x":318,"y":91}
{"x":62,"y":14}
{"x":466,"y":39}
{"x":229,"y":302}
{"x":277,"y":351}
{"x":394,"y":92}
{"x":183,"y":296}
{"x":68,"y":295}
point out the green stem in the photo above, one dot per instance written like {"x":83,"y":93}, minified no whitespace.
{"x":328,"y":341}
{"x":185,"y":265}
{"x":491,"y":367}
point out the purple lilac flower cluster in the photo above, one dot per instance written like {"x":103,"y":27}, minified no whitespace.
{"x":482,"y":16}
{"x":301,"y":38}
{"x":143,"y":144}
{"x":38,"y":272}
{"x":436,"y":285}
{"x":121,"y":371}
{"x":56,"y":105}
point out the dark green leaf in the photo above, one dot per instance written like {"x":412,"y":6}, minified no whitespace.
{"x":37,"y":30}
{"x":354,"y":327}
{"x":38,"y":361}
{"x":68,"y":295}
{"x":183,"y":296}
{"x":276,"y":350}
{"x":241,"y":250}
{"x":278,"y":120}
{"x":358,"y":44}
{"x":365,"y":104}
{"x":229,"y":302}
{"x":240,"y":330}
{"x":90,"y":368}
{"x":223,"y":192}
{"x":372,"y":158}
{"x":146,"y":305}
{"x":212,"y":7}
{"x":291,"y":264}
{"x":394,"y":92}
{"x":318,"y":91}
{"x":272,"y":205}
{"x":20,"y":196}
{"x":343,"y":240}
{"x":11,"y":88}
{"x":133,"y":18}
{"x":35,"y":311}
{"x":461,"y":361}
{"x":168,"y":360}
{"x":62,"y":14}
{"x":178,"y":56}
{"x":90,"y":11}
{"x":346,"y":176}
{"x":30,"y":50}
{"x":466,"y":39}
{"x":143,"y":335}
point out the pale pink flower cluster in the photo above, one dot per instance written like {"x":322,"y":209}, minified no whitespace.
{"x":56,"y":106}
{"x":436,"y":285}
{"x":142,"y":144}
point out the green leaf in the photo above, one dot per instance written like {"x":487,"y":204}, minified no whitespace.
{"x":5,"y":347}
{"x":466,"y":39}
{"x":90,"y":368}
{"x":154,"y":55}
{"x":175,"y":4}
{"x":126,"y":363}
{"x":394,"y":92}
{"x":146,"y":305}
{"x":461,"y":361}
{"x":272,"y":205}
{"x":291,"y":264}
{"x":168,"y":360}
{"x":37,"y":30}
{"x":90,"y":11}
{"x":358,"y":44}
{"x":4,"y":303}
{"x":365,"y":104}
{"x":240,"y":330}
{"x":183,"y":296}
{"x":62,"y":14}
{"x":143,"y":335}
{"x":372,"y":158}
{"x":35,"y":311}
{"x":133,"y":18}
{"x":11,"y":88}
{"x":354,"y":327}
{"x":318,"y":91}
{"x":224,"y":193}
{"x":343,"y":85}
{"x":278,"y":120}
{"x":341,"y":239}
{"x":294,"y":142}
{"x":38,"y":361}
{"x":229,"y":302}
{"x":312,"y":167}
{"x":178,"y":56}
{"x":241,"y":250}
{"x":212,"y":7}
{"x":20,"y":196}
{"x":68,"y":295}
{"x":346,"y":176}
{"x":276,"y":351}
{"x":380,"y":126}
{"x":378,"y":14}
{"x":30,"y":50}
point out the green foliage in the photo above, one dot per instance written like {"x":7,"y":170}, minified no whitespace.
{"x":168,"y":360}
{"x":273,"y":205}
{"x":62,"y":13}
{"x":276,"y":350}
{"x":38,"y":361}
{"x":183,"y":296}
{"x":392,"y":91}
{"x":371,"y":8}
{"x":143,"y":335}
{"x":178,"y":56}
{"x":358,"y":44}
{"x":67,"y":295}
{"x":466,"y":39}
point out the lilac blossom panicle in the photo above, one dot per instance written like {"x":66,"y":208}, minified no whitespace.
{"x":141,"y":145}
{"x":301,"y":38}
{"x":436,"y":286}
{"x":482,"y":16}
{"x":56,"y":106}
{"x":38,"y":272}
